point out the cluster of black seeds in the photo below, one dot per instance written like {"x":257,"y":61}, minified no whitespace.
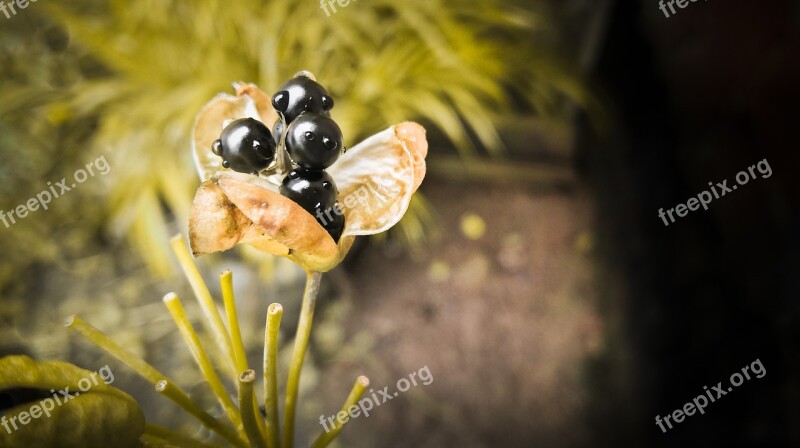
{"x":312,"y":140}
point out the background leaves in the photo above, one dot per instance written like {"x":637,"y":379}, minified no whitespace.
{"x":126,"y":80}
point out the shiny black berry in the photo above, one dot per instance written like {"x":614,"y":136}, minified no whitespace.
{"x":301,"y":94}
{"x":333,"y":221}
{"x":314,"y":141}
{"x":245,"y":145}
{"x":312,"y":190}
{"x":315,"y":191}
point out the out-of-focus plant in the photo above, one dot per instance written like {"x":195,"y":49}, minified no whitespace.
{"x":244,"y":423}
{"x":35,"y":147}
{"x":458,"y":65}
{"x":76,"y":416}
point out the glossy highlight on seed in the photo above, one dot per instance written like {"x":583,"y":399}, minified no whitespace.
{"x":312,"y":141}
{"x":246,"y":145}
{"x":301,"y":94}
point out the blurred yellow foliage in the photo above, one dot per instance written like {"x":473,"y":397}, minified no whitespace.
{"x":125,"y":79}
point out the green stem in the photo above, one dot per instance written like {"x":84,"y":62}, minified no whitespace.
{"x":274,"y":314}
{"x":186,"y":330}
{"x":299,"y":354}
{"x":180,"y":398}
{"x":162,"y":383}
{"x":326,"y":437}
{"x":246,"y":401}
{"x":201,"y":292}
{"x":239,"y":356}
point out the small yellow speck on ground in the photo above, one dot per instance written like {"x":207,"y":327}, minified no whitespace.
{"x":472,"y":226}
{"x":584,"y":242}
{"x":438,"y":271}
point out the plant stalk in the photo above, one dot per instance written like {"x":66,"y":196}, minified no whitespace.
{"x":326,"y":437}
{"x":298,"y":355}
{"x":274,"y":314}
{"x":175,"y":308}
{"x":246,"y":404}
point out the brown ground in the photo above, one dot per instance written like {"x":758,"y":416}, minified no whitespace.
{"x":504,"y":323}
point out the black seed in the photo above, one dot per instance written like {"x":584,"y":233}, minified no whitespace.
{"x":312,"y":141}
{"x":301,"y":94}
{"x":246,"y":146}
{"x":306,"y":188}
{"x":280,"y":101}
{"x":315,"y":191}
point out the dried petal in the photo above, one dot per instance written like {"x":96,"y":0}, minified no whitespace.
{"x":215,"y":224}
{"x":249,"y":101}
{"x":228,"y":210}
{"x":377,"y":177}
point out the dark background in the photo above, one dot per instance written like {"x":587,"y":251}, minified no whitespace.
{"x":698,"y":97}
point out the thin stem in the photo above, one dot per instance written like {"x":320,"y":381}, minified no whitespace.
{"x":326,"y":437}
{"x":151,"y":375}
{"x":97,"y":337}
{"x":246,"y":404}
{"x":173,"y":303}
{"x":213,"y":319}
{"x":298,"y":355}
{"x":239,"y":356}
{"x":171,"y":391}
{"x":274,"y":314}
{"x":176,"y":439}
